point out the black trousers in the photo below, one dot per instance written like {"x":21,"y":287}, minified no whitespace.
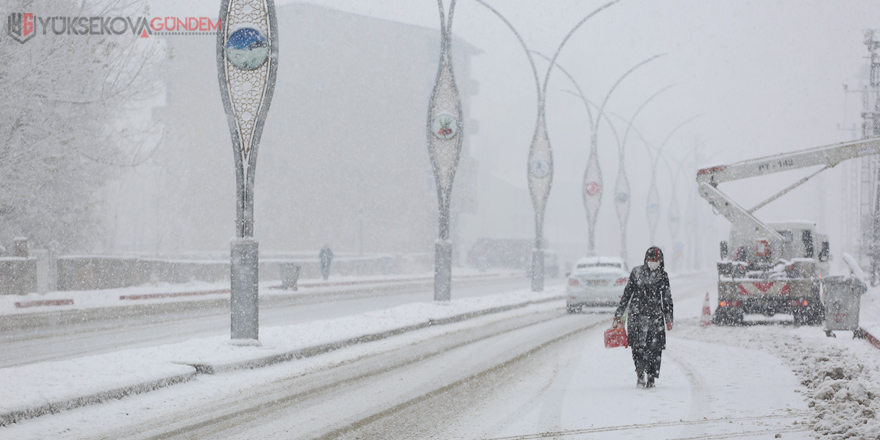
{"x":647,"y":338}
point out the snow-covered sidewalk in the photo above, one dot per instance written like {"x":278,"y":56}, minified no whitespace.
{"x":37,"y":389}
{"x":840,"y":375}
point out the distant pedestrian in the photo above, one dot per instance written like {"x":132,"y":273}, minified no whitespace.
{"x":649,"y":300}
{"x":326,"y":256}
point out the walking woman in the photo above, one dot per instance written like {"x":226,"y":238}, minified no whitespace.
{"x":650,"y":310}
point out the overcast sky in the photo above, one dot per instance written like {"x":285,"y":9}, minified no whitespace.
{"x":760,"y":77}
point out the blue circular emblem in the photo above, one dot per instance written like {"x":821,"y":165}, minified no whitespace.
{"x":247,"y":49}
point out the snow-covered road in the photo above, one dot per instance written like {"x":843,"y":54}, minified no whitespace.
{"x":527,"y":373}
{"x":57,"y":335}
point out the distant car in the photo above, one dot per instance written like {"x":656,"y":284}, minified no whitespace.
{"x":595,"y":282}
{"x":551,"y":265}
{"x":500,"y":253}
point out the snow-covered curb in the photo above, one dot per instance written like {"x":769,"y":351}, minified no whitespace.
{"x":44,"y":388}
{"x":160,"y":293}
{"x":869,"y":316}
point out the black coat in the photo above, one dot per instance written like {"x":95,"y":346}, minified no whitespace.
{"x":647,"y":294}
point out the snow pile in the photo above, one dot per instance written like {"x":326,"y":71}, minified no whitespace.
{"x":841,"y":375}
{"x":843,"y":403}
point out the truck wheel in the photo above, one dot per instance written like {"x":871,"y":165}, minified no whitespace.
{"x":814,"y":315}
{"x":727,"y":317}
{"x":809,"y":316}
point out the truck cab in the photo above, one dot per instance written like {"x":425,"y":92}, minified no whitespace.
{"x":767,"y":276}
{"x":800,"y":243}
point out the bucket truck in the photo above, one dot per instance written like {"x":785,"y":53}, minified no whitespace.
{"x":770,"y":268}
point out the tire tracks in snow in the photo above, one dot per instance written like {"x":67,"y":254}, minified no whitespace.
{"x":229,"y":416}
{"x":644,"y":426}
{"x":436,"y":401}
{"x":701,"y":402}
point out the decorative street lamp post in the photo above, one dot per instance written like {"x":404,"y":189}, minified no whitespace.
{"x":247,"y":60}
{"x":653,"y":202}
{"x":540,"y":161}
{"x":622,"y":193}
{"x":444,"y":147}
{"x":592,"y":189}
{"x":674,"y":215}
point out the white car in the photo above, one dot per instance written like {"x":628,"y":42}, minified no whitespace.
{"x":596,"y":281}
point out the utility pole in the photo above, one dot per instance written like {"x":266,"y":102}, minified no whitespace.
{"x":871,"y":128}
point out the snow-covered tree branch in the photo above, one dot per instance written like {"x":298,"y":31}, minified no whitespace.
{"x":65,"y":124}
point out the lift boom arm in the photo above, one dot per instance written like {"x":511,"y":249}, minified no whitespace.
{"x":829,"y":155}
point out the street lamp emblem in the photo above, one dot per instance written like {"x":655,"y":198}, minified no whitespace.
{"x":247,"y":48}
{"x":592,"y":188}
{"x":540,"y":168}
{"x":444,"y":126}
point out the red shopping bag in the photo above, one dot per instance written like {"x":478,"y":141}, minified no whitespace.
{"x":616,"y":337}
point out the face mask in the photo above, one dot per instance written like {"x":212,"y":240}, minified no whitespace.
{"x":653,"y":265}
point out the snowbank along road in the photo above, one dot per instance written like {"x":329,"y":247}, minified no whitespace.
{"x":56,"y":335}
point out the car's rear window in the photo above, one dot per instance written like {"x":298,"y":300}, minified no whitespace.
{"x":583,"y":266}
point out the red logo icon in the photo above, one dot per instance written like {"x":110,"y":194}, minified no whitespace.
{"x":20,"y":26}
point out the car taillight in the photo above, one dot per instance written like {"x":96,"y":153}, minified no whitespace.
{"x":573,"y":282}
{"x":620,"y":281}
{"x":729,"y":303}
{"x":798,"y":303}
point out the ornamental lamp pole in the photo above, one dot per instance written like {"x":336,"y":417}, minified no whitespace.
{"x":444,"y":147}
{"x":653,"y":201}
{"x":247,"y":61}
{"x":592,"y":183}
{"x":540,"y":162}
{"x":622,"y":195}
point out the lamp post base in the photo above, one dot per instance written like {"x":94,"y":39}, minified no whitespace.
{"x":537,"y":270}
{"x":442,"y":270}
{"x":245,"y":301}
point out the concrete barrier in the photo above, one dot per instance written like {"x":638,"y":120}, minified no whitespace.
{"x":107,"y":272}
{"x":18,"y":276}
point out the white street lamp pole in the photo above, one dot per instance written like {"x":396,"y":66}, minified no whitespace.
{"x":444,"y":147}
{"x":247,"y":61}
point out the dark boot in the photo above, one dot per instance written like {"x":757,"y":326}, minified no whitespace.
{"x":640,"y":382}
{"x":650,"y":382}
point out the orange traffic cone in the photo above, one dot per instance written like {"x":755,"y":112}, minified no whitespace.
{"x":706,"y":316}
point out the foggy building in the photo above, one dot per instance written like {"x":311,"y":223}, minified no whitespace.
{"x":343,"y":158}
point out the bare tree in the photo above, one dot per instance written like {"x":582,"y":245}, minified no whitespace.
{"x":65,"y":122}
